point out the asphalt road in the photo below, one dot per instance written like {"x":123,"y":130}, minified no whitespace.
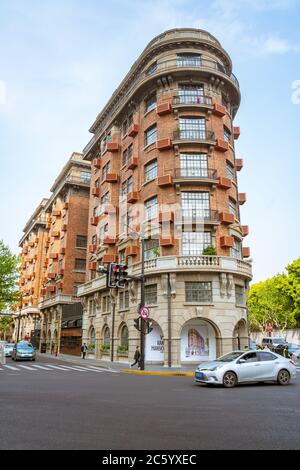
{"x":66,"y":408}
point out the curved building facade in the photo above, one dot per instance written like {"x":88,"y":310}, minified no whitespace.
{"x":164,"y":169}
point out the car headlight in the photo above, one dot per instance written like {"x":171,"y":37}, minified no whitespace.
{"x":215,"y":368}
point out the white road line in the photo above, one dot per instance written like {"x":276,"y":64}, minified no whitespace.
{"x":27,"y":367}
{"x":11,"y":367}
{"x":57,"y":367}
{"x":41,"y":367}
{"x":103,"y":370}
{"x":76,"y":368}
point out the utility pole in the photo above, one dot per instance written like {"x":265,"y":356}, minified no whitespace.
{"x":142,"y":304}
{"x":113,"y":301}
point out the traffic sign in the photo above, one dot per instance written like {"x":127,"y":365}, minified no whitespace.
{"x":144,"y":312}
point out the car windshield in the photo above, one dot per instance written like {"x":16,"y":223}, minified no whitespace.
{"x":278,"y":340}
{"x":24,"y":346}
{"x":230,"y":357}
{"x":293,"y":346}
{"x":9,"y":346}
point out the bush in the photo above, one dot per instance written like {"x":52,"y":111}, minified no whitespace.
{"x":91,"y":347}
{"x":123,"y":348}
{"x":210,"y":251}
{"x":105,"y":347}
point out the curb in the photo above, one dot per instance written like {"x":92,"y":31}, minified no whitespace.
{"x":166,"y":374}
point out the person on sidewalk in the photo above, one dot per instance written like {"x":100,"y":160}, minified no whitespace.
{"x":137,"y":358}
{"x":84,"y":350}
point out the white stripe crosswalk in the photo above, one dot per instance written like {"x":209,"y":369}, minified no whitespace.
{"x":52,"y":368}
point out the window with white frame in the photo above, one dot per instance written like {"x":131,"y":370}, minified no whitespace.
{"x":229,"y":171}
{"x":193,"y":165}
{"x":236,"y":249}
{"x":151,"y":135}
{"x":85,"y":176}
{"x":232,"y":207}
{"x":190,"y":94}
{"x":150,"y":103}
{"x":193,"y":243}
{"x":192,"y":128}
{"x":195,"y":204}
{"x":226,"y":135}
{"x":103,"y":231}
{"x":151,"y":294}
{"x":106,"y":170}
{"x":150,"y":171}
{"x":124,"y":300}
{"x":198,"y":292}
{"x":126,"y":186}
{"x":104,"y":199}
{"x":127,"y":155}
{"x":151,"y":208}
{"x":106,"y":304}
{"x":188,"y":60}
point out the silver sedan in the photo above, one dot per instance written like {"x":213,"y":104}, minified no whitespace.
{"x":246,"y":366}
{"x":296,"y":356}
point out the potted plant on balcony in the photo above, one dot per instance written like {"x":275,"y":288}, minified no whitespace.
{"x":156,"y":251}
{"x":209,"y":251}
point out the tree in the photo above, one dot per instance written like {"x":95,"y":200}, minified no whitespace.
{"x":9,"y":274}
{"x":270,"y":302}
{"x":293,"y":285}
{"x":5,"y":325}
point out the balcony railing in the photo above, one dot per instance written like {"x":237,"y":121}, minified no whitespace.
{"x":195,"y":174}
{"x":192,"y":99}
{"x":194,"y":135}
{"x":200,"y":215}
{"x":78,"y":180}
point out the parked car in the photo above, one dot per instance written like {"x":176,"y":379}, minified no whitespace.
{"x":292,"y":347}
{"x":251,"y":366}
{"x":296,"y":356}
{"x":23,"y":351}
{"x":8,"y":349}
{"x":253,"y":345}
{"x":273,"y":342}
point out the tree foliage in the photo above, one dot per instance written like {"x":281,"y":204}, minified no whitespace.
{"x":9,"y":274}
{"x":276,"y":300}
{"x":5,"y":325}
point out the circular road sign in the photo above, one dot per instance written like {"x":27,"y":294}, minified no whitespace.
{"x":144,"y":312}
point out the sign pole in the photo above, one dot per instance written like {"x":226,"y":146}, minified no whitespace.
{"x":142,"y":339}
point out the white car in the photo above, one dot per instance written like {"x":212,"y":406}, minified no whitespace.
{"x":296,"y":357}
{"x":246,"y":366}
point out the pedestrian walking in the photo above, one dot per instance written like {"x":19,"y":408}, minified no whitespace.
{"x":137,"y":358}
{"x":84,"y":350}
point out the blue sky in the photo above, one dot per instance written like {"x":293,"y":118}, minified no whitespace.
{"x":60,"y":60}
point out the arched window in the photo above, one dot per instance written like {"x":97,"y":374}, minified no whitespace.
{"x":92,"y":336}
{"x":124,"y":336}
{"x":106,"y":337}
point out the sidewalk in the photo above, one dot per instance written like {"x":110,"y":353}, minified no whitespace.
{"x":185,"y":371}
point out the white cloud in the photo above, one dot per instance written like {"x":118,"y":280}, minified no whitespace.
{"x":276,"y":45}
{"x":2,"y":92}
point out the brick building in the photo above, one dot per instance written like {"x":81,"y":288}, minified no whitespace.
{"x":55,"y":248}
{"x":164,"y":167}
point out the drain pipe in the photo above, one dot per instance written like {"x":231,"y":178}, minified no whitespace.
{"x":169,"y":297}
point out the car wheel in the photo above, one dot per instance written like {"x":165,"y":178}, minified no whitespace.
{"x":229,"y":380}
{"x":283,"y":377}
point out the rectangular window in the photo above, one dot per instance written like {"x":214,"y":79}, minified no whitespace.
{"x":106,"y":303}
{"x":127,"y":155}
{"x":126,"y":186}
{"x":151,"y":135}
{"x":226,"y":135}
{"x":236,"y":250}
{"x":188,"y":60}
{"x":150,"y":171}
{"x":81,"y":241}
{"x":94,"y":240}
{"x":193,"y":243}
{"x":122,"y":257}
{"x":85,"y":176}
{"x":125,"y":127}
{"x":103,"y":231}
{"x":195,"y":205}
{"x":192,"y":128}
{"x":151,"y":294}
{"x":104,"y":199}
{"x":151,"y":208}
{"x":124,"y":300}
{"x":75,"y":287}
{"x":190,"y":94}
{"x":199,"y":292}
{"x":80,"y":265}
{"x":150,"y":103}
{"x":106,"y":170}
{"x":229,"y":171}
{"x":193,"y":165}
{"x":232,"y":207}
{"x":239,"y":295}
{"x":97,"y":183}
{"x":152,"y":249}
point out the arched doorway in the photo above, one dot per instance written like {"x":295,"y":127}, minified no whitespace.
{"x":154,"y":347}
{"x":240,"y":337}
{"x":200,"y":341}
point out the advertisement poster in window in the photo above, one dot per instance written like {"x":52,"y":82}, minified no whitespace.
{"x":195,"y":343}
{"x":154,"y":350}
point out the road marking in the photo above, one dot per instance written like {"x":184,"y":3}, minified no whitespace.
{"x":103,"y":370}
{"x":26,"y":367}
{"x":76,"y":368}
{"x":41,"y":367}
{"x":11,"y":367}
{"x":56,"y":367}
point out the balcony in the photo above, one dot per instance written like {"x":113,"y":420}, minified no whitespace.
{"x":192,"y":101}
{"x":226,"y":242}
{"x":51,"y":289}
{"x":133,"y":130}
{"x":219,"y":110}
{"x":236,"y":133}
{"x":205,"y":216}
{"x":97,"y":163}
{"x":164,"y":108}
{"x":246,"y":252}
{"x":132,"y":251}
{"x":245,"y":230}
{"x":53,"y":256}
{"x":55,"y":234}
{"x":112,"y":147}
{"x":111,"y":178}
{"x":62,"y":251}
{"x":163,"y":144}
{"x":52,"y":275}
{"x":93,"y":265}
{"x":109,"y":259}
{"x":94,"y":221}
{"x":221,"y":145}
{"x":132,"y":163}
{"x":166,"y":241}
{"x":194,"y":136}
{"x":60,"y":285}
{"x":109,"y":209}
{"x":92,"y":248}
{"x":224,"y":183}
{"x":61,"y":272}
{"x":56,"y":213}
{"x":96,"y":192}
{"x":109,"y":240}
{"x":194,"y":175}
{"x":226,"y":218}
{"x":66,"y":206}
{"x":166,"y":217}
{"x":239,"y":163}
{"x":64,"y":228}
{"x":242,"y":198}
{"x":164,"y":181}
{"x":132,"y":197}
